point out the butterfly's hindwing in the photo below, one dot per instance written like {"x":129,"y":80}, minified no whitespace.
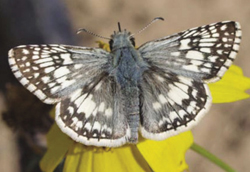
{"x":202,"y":53}
{"x":94,"y":117}
{"x":52,"y":72}
{"x":171,"y":104}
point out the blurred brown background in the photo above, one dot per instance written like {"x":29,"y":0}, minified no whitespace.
{"x":225,"y":131}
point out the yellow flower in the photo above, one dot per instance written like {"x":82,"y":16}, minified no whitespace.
{"x":147,"y":155}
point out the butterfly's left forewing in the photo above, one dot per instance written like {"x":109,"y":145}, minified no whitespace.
{"x":174,"y":91}
{"x":52,"y":72}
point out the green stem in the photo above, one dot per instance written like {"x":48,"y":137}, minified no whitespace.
{"x":200,"y":150}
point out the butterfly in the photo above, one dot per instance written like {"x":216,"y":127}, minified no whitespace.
{"x":105,"y":98}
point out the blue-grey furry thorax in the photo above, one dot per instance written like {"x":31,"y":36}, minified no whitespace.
{"x":127,"y":62}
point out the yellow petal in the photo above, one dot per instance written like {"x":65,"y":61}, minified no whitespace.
{"x":94,"y":159}
{"x":167,"y":155}
{"x":231,"y":87}
{"x":103,"y":45}
{"x":58,"y":145}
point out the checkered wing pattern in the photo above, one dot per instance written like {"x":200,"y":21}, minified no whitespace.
{"x":76,"y":78}
{"x":52,"y":72}
{"x":95,"y":116}
{"x":174,"y":91}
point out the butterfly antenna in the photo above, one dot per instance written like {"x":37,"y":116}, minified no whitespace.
{"x":119,"y":27}
{"x":91,"y":33}
{"x":154,"y":20}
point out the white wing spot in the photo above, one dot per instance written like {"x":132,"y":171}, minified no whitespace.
{"x":45,"y":79}
{"x":35,"y":52}
{"x":11,"y":53}
{"x":18,"y":74}
{"x":176,"y":54}
{"x":236,"y":47}
{"x":40,"y":94}
{"x":54,"y":89}
{"x":36,"y":75}
{"x":51,"y":84}
{"x":209,"y":40}
{"x":27,"y":64}
{"x":31,"y":87}
{"x":25,"y":51}
{"x":66,"y":59}
{"x":61,"y":72}
{"x":206,"y":44}
{"x":182,"y":86}
{"x":228,"y":62}
{"x":78,"y":98}
{"x":96,"y":126}
{"x":78,"y":66}
{"x":184,"y":44}
{"x":87,"y":106}
{"x":79,"y":124}
{"x":160,"y":78}
{"x":24,"y":58}
{"x":156,"y":105}
{"x":162,"y":99}
{"x":35,"y":57}
{"x":223,"y":27}
{"x":12,"y":61}
{"x":220,"y":52}
{"x":88,"y":126}
{"x":67,"y":83}
{"x":24,"y":81}
{"x":232,"y":54}
{"x":101,"y":107}
{"x":194,"y":55}
{"x":196,"y":62}
{"x":191,"y":67}
{"x":212,"y":58}
{"x":98,"y":86}
{"x":176,"y":94}
{"x":46,"y":64}
{"x":206,"y":70}
{"x":205,"y":50}
{"x":224,"y":39}
{"x":216,"y":35}
{"x":49,"y":69}
{"x":70,"y":110}
{"x":108,"y":112}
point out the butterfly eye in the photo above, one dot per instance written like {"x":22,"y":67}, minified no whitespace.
{"x":132,"y":40}
{"x":111,"y":44}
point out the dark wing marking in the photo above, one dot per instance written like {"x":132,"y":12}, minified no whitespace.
{"x":202,"y":53}
{"x":96,"y":116}
{"x":52,"y":72}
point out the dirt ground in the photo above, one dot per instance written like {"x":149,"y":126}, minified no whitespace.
{"x":225,"y":130}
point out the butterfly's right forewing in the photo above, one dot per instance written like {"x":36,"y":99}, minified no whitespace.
{"x":202,"y":53}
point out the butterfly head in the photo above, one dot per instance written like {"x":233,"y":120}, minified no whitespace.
{"x":121,"y":39}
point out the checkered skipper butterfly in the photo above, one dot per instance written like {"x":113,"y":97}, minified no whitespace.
{"x":104,"y":98}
